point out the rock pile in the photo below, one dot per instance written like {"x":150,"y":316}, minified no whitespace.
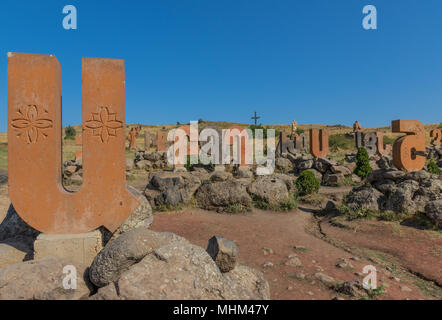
{"x":400,"y":192}
{"x":327,"y":171}
{"x":143,"y":264}
{"x":218,"y":190}
{"x":149,"y":161}
{"x":73,"y":172}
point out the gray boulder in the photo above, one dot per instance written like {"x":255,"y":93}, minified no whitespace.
{"x":341,"y":170}
{"x":219,"y":195}
{"x":433,"y":209}
{"x":224,"y":252}
{"x":40,"y":280}
{"x":129,"y":164}
{"x":400,"y":199}
{"x":118,"y":255}
{"x":179,"y":270}
{"x":171,"y":188}
{"x":323,"y":164}
{"x":140,"y":217}
{"x":364,"y":197}
{"x":283,"y":164}
{"x":221,"y":176}
{"x":270,"y":189}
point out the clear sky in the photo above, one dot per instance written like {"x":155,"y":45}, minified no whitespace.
{"x":308,"y":60}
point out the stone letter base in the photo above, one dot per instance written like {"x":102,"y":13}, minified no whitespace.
{"x":81,"y":249}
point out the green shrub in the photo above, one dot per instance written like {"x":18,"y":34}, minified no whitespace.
{"x":432,"y":167}
{"x":362,"y":163}
{"x":236,"y":208}
{"x":307,"y":183}
{"x":70,"y":133}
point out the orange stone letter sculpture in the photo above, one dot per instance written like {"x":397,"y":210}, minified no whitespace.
{"x":34,"y":135}
{"x":319,"y":143}
{"x":409,"y":150}
{"x":436,"y":135}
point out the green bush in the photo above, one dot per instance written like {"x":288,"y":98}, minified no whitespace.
{"x":307,"y":183}
{"x":69,"y":133}
{"x":432,"y":167}
{"x":362,"y":163}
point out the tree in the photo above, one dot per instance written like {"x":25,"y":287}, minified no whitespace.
{"x":70,"y":133}
{"x":363,"y":168}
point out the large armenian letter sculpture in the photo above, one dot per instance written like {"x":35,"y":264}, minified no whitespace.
{"x":319,"y":142}
{"x":409,"y":150}
{"x":34,"y":135}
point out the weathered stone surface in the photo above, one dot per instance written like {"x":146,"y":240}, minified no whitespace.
{"x":382,"y":174}
{"x":78,"y":249}
{"x":431,"y":188}
{"x":219,"y":195}
{"x":433,"y":209}
{"x":332,"y":179}
{"x":270,"y":189}
{"x":141,"y":217}
{"x":289,"y":181}
{"x":249,"y":282}
{"x":385,"y":186}
{"x":143,"y":164}
{"x":171,"y":188}
{"x":244,"y":172}
{"x":283,"y":164}
{"x":323,"y":164}
{"x":400,"y":198}
{"x":304,"y":164}
{"x":129,"y":248}
{"x":40,"y":280}
{"x":355,"y":178}
{"x":364,"y":197}
{"x":417,"y":175}
{"x":10,"y":253}
{"x":180,"y":270}
{"x":325,"y":279}
{"x":224,"y":252}
{"x":221,"y":176}
{"x":341,"y":169}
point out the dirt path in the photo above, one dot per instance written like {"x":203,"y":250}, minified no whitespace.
{"x":281,"y":232}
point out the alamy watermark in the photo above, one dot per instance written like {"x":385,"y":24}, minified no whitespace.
{"x":70,"y":280}
{"x":370,"y":21}
{"x":70,"y":20}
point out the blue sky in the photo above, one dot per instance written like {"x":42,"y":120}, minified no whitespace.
{"x":308,"y":60}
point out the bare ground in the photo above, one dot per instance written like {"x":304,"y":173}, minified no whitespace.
{"x":408,"y":260}
{"x":410,"y":255}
